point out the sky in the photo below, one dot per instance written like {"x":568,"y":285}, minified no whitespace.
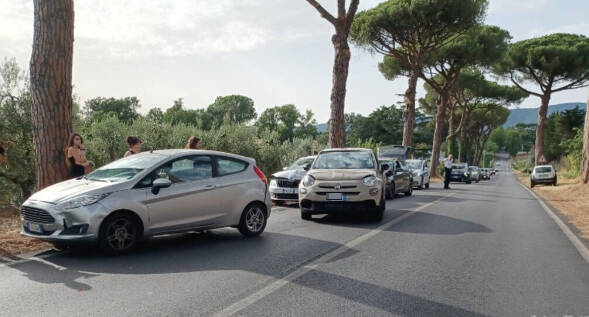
{"x":274,"y":51}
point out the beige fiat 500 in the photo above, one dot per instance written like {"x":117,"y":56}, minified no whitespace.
{"x":340,"y":180}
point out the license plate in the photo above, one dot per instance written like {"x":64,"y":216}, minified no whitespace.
{"x":289,"y":190}
{"x":33,"y":227}
{"x":336,"y":196}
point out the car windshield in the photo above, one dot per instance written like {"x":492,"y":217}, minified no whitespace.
{"x":391,"y":151}
{"x":300,"y":163}
{"x":344,"y":160}
{"x":543,"y":169}
{"x":459,"y":166}
{"x":413,"y":164}
{"x":126,"y":168}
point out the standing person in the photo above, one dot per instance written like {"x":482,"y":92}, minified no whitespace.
{"x":447,"y":162}
{"x":193,"y":143}
{"x":76,"y":160}
{"x":134,"y":145}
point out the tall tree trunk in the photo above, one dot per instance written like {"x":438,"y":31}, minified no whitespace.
{"x":409,"y":113}
{"x":539,"y":151}
{"x":51,"y":87}
{"x":451,"y":139}
{"x":585,"y":161}
{"x":462,"y":137}
{"x":338,"y":91}
{"x":437,"y":142}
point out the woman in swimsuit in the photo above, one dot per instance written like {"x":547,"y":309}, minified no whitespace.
{"x":134,"y":145}
{"x":76,"y":160}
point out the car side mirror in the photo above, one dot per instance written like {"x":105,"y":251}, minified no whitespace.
{"x":159,"y":184}
{"x":307,"y":166}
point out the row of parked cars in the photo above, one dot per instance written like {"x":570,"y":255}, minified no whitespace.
{"x":344,"y":179}
{"x":174,"y":191}
{"x":463,"y":173}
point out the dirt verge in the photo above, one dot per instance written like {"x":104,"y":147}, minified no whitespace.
{"x":12,"y":243}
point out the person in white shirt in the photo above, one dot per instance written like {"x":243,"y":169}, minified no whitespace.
{"x":447,"y":162}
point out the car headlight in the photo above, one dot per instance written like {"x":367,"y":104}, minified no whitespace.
{"x":84,"y":200}
{"x":308,"y":180}
{"x":370,"y":180}
{"x":273,"y":183}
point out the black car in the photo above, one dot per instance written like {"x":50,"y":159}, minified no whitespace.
{"x":398,"y":177}
{"x":460,"y":173}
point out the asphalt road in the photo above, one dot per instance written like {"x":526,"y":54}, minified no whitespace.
{"x":484,"y":249}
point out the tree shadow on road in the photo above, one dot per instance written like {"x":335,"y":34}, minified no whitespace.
{"x":428,"y":223}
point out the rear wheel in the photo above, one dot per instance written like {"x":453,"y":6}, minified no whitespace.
{"x":119,"y":234}
{"x":409,"y":191}
{"x":253,"y":220}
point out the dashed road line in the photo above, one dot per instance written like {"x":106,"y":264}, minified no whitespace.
{"x":276,"y":285}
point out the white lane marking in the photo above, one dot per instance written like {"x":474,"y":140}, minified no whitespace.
{"x":567,"y":231}
{"x":276,"y":285}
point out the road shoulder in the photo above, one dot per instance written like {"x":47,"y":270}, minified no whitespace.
{"x":574,"y":234}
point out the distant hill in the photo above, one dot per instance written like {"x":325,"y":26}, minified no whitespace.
{"x":530,"y":115}
{"x":520,"y":115}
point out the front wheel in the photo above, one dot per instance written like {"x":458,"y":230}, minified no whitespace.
{"x":253,"y":220}
{"x":305,"y":215}
{"x":119,"y":234}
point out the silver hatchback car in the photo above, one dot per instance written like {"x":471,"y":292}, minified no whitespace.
{"x":150,"y":194}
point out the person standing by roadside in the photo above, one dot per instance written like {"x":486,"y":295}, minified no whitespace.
{"x":193,"y":143}
{"x":447,"y":162}
{"x":76,"y":160}
{"x":134,"y":145}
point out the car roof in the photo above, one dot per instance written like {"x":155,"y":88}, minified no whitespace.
{"x":346,"y":149}
{"x":172,"y":153}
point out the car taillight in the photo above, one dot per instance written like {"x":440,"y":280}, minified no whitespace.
{"x":261,"y":175}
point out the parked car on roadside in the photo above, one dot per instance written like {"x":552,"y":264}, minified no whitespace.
{"x":150,"y":194}
{"x":543,"y":174}
{"x":460,"y":173}
{"x":346,"y":179}
{"x":420,"y":172}
{"x":284,"y":185}
{"x":475,"y":173}
{"x":398,"y":178}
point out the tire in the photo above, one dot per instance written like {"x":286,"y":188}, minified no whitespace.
{"x":468,"y":182}
{"x":61,"y":246}
{"x":409,"y":191}
{"x":278,"y":202}
{"x":390,"y":193}
{"x":119,"y":234}
{"x":305,"y":215}
{"x":253,"y":220}
{"x":532,"y":184}
{"x":426,"y":185}
{"x":378,"y":211}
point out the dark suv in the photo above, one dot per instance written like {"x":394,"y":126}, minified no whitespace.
{"x":460,"y":173}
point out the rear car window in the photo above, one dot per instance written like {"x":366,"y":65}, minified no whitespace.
{"x":544,"y":169}
{"x":227,"y":166}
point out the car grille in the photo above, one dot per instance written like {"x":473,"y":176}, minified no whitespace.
{"x":340,"y":187}
{"x":286,"y":196}
{"x":36,"y":215}
{"x":288,"y":183}
{"x":345,"y":193}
